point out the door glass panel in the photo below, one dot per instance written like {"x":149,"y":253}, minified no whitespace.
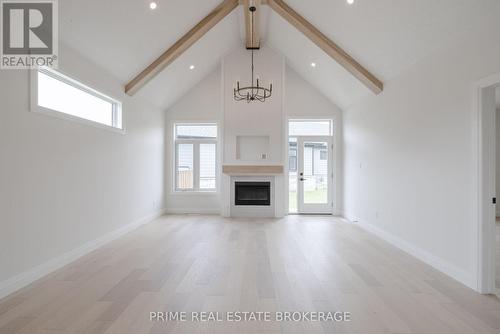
{"x":292,"y":175}
{"x":315,"y":183}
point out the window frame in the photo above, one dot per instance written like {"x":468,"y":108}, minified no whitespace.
{"x":117,"y":111}
{"x":196,"y":142}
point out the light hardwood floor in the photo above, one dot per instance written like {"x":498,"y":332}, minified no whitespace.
{"x":194,"y":263}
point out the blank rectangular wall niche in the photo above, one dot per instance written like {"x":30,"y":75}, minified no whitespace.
{"x":252,"y":148}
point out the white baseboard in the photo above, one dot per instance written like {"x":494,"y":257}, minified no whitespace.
{"x":19,"y":281}
{"x":180,"y":211}
{"x":424,"y":256}
{"x":350,"y":217}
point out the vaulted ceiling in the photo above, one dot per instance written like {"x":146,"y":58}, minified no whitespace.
{"x":385,"y":36}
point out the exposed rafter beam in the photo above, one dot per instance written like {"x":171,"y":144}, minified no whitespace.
{"x":193,"y":35}
{"x":332,"y":49}
{"x":252,"y":28}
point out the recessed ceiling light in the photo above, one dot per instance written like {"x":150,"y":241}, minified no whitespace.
{"x":313,"y":64}
{"x":153,"y":5}
{"x":350,"y":2}
{"x":191,"y":67}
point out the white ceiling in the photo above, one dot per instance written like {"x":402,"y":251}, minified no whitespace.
{"x":125,"y":36}
{"x":173,"y":82}
{"x":328,"y":77}
{"x":386,"y":36}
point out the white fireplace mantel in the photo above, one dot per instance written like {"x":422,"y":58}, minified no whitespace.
{"x":252,"y":170}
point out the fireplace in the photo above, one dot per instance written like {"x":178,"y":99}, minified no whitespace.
{"x":252,"y":193}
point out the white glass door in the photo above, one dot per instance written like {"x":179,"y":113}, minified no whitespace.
{"x":314,"y":175}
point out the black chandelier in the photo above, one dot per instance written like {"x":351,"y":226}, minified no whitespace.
{"x":253,"y":92}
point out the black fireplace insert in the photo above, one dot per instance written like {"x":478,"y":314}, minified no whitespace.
{"x":252,"y":193}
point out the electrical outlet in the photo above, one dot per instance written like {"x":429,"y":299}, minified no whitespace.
{"x":263,"y":156}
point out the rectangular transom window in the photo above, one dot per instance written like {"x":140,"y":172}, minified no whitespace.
{"x":60,"y":95}
{"x":310,"y":128}
{"x":195,"y":157}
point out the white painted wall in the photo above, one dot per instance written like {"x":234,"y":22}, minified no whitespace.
{"x":253,"y":119}
{"x":64,"y":184}
{"x":203,"y":103}
{"x":408,"y":156}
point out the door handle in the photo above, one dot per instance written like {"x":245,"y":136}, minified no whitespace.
{"x":302,"y":179}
